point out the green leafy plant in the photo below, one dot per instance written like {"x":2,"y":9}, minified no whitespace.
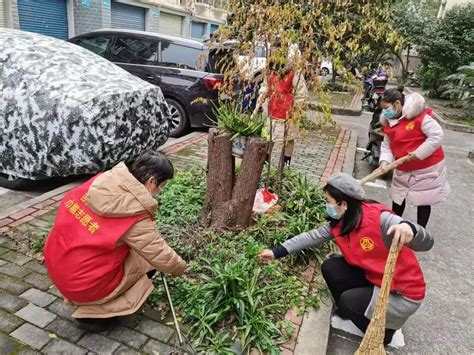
{"x":226,"y":296}
{"x":232,"y":119}
{"x":459,"y":87}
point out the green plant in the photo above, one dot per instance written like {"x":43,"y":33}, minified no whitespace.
{"x":226,"y":296}
{"x":238,"y":123}
{"x":37,"y":244}
{"x":460,"y":86}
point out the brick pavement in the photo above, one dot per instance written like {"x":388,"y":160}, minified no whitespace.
{"x":35,"y":319}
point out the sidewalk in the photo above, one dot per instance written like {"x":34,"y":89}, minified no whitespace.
{"x":33,"y":316}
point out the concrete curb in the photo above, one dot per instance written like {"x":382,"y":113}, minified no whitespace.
{"x":314,"y":330}
{"x":336,"y":110}
{"x":34,"y":201}
{"x":448,"y":125}
{"x":349,"y":161}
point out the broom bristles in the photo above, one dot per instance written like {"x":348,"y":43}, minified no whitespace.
{"x":372,"y":344}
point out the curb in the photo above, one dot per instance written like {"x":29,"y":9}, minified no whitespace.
{"x":29,"y":210}
{"x":336,"y":110}
{"x":448,"y":125}
{"x":349,"y":160}
{"x":307,"y":341}
{"x":342,"y":157}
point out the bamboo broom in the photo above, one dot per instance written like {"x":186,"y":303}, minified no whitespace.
{"x":372,"y":344}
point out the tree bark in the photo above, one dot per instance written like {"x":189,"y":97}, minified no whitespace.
{"x":220,"y":173}
{"x":229,"y":206}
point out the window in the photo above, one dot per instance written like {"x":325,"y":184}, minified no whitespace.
{"x":175,"y":55}
{"x":98,"y":45}
{"x":260,"y":52}
{"x":134,"y":51}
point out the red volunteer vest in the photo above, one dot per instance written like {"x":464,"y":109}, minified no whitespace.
{"x":364,"y":248}
{"x":281,"y":96}
{"x":406,"y":137}
{"x":81,"y":254}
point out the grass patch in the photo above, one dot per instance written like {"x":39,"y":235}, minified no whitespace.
{"x":226,"y":296}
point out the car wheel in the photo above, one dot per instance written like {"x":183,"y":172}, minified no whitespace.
{"x":179,"y":122}
{"x":324,"y":71}
{"x":15,"y":183}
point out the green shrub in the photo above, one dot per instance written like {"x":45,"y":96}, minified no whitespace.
{"x":226,"y":295}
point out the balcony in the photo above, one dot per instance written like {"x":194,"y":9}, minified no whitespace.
{"x":217,"y":4}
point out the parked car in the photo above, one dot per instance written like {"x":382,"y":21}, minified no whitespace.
{"x":66,"y":111}
{"x":183,"y":68}
{"x":325,"y":67}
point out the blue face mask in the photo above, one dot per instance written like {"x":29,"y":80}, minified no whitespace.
{"x":331,"y":211}
{"x":390,"y":113}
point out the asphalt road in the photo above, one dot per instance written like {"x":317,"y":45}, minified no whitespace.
{"x":444,"y":322}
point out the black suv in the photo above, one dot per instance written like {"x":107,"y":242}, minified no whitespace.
{"x":181,"y":67}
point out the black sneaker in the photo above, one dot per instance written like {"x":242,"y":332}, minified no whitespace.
{"x":95,"y":325}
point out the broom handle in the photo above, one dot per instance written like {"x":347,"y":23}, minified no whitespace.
{"x":379,"y":171}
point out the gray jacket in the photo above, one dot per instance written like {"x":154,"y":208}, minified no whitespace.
{"x":422,"y":240}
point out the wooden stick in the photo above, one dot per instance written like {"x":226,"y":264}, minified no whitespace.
{"x":379,"y":171}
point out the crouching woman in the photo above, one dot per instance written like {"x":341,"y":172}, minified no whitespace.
{"x":363,"y":231}
{"x":104,"y":246}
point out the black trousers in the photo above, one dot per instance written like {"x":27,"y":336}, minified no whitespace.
{"x":351,"y":291}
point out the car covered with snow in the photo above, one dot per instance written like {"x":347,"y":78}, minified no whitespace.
{"x":67,"y":111}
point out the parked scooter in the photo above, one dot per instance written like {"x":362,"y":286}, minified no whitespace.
{"x":374,"y":85}
{"x":375,"y":137}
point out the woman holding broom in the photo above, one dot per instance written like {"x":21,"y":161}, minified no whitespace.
{"x":410,"y":130}
{"x":363,"y":231}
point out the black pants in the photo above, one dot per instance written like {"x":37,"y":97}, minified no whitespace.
{"x":351,"y":291}
{"x":422,"y":213}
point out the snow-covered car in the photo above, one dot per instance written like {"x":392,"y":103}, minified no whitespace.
{"x":66,"y":111}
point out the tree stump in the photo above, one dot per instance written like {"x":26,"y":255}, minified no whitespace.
{"x":229,"y":198}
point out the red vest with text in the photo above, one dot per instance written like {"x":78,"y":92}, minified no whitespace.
{"x":364,"y":248}
{"x":406,"y":137}
{"x":81,"y":255}
{"x":281,"y":96}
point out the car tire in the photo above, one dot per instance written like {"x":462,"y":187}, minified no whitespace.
{"x":15,"y":183}
{"x":179,"y":119}
{"x":324,"y":71}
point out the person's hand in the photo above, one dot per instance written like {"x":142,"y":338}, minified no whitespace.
{"x":401,"y":234}
{"x":383,"y":166}
{"x":266,"y":256}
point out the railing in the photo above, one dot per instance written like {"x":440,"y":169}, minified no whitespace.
{"x":219,"y":4}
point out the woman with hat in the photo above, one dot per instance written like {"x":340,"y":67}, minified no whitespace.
{"x":363,"y":231}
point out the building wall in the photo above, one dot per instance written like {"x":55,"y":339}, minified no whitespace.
{"x":98,"y":15}
{"x":87,"y":19}
{"x":447,"y":5}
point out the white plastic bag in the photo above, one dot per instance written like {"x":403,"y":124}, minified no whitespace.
{"x":264,"y":200}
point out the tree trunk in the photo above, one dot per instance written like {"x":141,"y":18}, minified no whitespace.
{"x":228,"y":205}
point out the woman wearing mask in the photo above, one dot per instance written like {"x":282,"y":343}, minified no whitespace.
{"x":410,"y":130}
{"x":363,"y":231}
{"x":104,"y":246}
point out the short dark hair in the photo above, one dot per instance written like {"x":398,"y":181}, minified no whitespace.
{"x":152,"y":164}
{"x":353,"y":216}
{"x":391,"y":95}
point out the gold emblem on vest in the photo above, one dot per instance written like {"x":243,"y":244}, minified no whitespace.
{"x":366,"y":244}
{"x":410,"y":126}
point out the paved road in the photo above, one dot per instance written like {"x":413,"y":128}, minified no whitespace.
{"x":444,"y":323}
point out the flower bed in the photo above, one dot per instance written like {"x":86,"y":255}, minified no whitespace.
{"x":226,"y":296}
